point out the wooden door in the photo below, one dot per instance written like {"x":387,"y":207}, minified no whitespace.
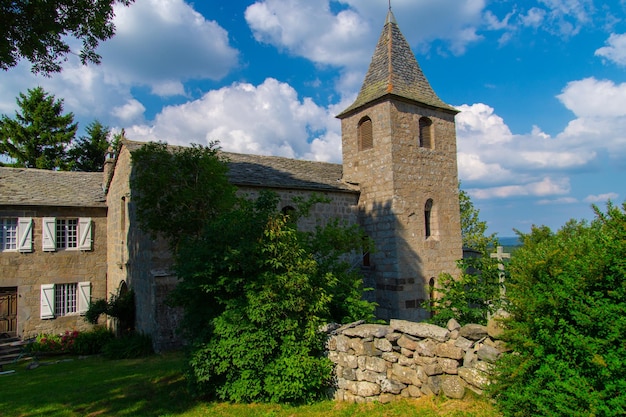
{"x":8,"y":312}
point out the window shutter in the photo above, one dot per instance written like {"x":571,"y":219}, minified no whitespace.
{"x":84,"y":296}
{"x":84,"y":233}
{"x":49,"y":234}
{"x":25,"y":234}
{"x":47,"y":301}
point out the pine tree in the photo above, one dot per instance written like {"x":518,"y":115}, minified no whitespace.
{"x":88,"y":152}
{"x":40,"y":133}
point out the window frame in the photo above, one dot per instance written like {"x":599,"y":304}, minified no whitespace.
{"x":22,"y":234}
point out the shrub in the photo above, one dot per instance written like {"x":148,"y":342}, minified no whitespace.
{"x":255,"y":292}
{"x":128,"y":347}
{"x":567,"y":296}
{"x":92,"y":342}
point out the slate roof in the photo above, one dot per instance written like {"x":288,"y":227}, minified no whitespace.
{"x":278,"y":172}
{"x":39,"y":187}
{"x":394,"y":71}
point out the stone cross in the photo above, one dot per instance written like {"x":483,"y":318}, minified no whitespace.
{"x":500,"y":255}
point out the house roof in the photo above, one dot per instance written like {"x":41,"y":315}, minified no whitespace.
{"x":278,"y":172}
{"x":39,"y":187}
{"x":394,"y":71}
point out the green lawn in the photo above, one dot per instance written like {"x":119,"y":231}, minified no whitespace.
{"x":156,"y":387}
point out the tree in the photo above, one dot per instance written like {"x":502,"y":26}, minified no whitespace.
{"x":255,"y":291}
{"x":37,"y":31}
{"x":472,"y":228}
{"x":88,"y":152}
{"x":179,"y":190}
{"x":567,"y":295}
{"x":39,"y":135}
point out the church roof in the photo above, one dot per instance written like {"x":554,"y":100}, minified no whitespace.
{"x":394,"y":71}
{"x":278,"y":172}
{"x":40,"y":187}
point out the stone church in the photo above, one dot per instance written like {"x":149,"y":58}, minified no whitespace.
{"x":68,"y":238}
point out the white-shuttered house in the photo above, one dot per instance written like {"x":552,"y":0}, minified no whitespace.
{"x":52,"y":249}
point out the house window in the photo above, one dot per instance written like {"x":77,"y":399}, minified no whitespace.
{"x":65,"y":299}
{"x":58,"y":300}
{"x":16,"y":234}
{"x":67,"y":233}
{"x":426,"y":133}
{"x":365,"y":135}
{"x":61,"y":234}
{"x":8,"y":234}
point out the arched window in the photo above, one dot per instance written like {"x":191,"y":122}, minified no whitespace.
{"x":431,"y":296}
{"x":288,"y":212}
{"x":123,"y":216}
{"x":365,"y":136}
{"x":426,"y":133}
{"x":428,"y":217}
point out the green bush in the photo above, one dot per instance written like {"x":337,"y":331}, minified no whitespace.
{"x":92,"y":342}
{"x":567,"y":294}
{"x":255,"y":292}
{"x":128,"y":346}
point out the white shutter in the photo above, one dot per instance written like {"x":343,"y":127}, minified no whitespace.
{"x":49,"y":234}
{"x":25,"y":234}
{"x":47,"y":301}
{"x":84,"y":233}
{"x":84,"y":296}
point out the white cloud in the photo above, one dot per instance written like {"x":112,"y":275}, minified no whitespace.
{"x":615,"y":50}
{"x":562,"y":200}
{"x":162,"y":42}
{"x":130,"y":112}
{"x":533,"y":17}
{"x":268,"y":119}
{"x":544,"y":187}
{"x":601,"y":198}
{"x":595,"y":98}
{"x":310,"y":29}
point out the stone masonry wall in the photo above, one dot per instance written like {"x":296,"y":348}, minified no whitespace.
{"x":408,"y":359}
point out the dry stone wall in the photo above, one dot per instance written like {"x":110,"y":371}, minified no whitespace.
{"x":408,"y":359}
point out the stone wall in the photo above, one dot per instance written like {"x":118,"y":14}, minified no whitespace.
{"x":407,"y":359}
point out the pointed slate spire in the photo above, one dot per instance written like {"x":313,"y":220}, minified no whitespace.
{"x":395,"y":71}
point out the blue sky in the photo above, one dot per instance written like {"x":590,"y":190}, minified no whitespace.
{"x":541,"y":86}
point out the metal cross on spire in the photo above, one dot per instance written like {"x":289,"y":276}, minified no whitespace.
{"x":389,"y":4}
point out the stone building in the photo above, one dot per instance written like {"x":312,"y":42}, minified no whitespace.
{"x":398,"y":181}
{"x":53,"y":249}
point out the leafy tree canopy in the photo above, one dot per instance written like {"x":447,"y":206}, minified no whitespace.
{"x":567,"y":295}
{"x":39,"y":134}
{"x":37,"y":31}
{"x":179,"y":190}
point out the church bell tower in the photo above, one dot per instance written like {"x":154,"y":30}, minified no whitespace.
{"x":399,"y":147}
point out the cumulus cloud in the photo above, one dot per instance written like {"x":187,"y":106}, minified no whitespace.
{"x":615,"y":50}
{"x":160,"y":43}
{"x":601,"y":198}
{"x":267,"y":119}
{"x":310,"y":29}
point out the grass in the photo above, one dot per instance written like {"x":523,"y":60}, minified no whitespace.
{"x":155,"y":386}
